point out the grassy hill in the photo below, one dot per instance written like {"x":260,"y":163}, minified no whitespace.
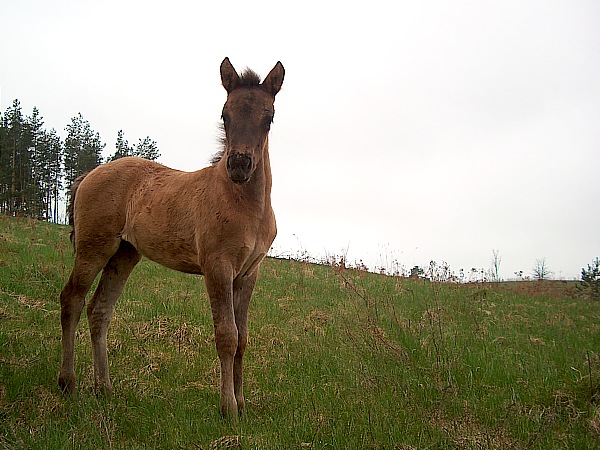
{"x":336,"y":359}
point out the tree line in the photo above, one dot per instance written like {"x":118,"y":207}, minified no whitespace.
{"x":36,"y":165}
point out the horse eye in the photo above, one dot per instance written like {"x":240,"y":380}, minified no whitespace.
{"x":268,"y":120}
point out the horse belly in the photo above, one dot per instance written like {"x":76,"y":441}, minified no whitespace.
{"x":175,"y":262}
{"x":163,"y":246}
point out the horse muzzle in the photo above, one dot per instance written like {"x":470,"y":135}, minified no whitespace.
{"x":239,"y":167}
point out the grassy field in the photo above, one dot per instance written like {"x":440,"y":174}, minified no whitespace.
{"x":336,"y":359}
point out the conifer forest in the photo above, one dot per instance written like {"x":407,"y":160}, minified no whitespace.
{"x":37,"y":165}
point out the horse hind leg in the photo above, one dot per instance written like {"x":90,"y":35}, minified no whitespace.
{"x":72,"y":299}
{"x":101,"y":307}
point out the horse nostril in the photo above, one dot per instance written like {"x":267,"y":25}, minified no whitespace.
{"x":230,"y":160}
{"x":239,"y":161}
{"x":248,"y":162}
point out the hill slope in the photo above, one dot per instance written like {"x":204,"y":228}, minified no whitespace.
{"x":336,"y":359}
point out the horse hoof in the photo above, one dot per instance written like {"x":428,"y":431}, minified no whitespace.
{"x":102,"y":390}
{"x":230,"y":413}
{"x":67,"y":384}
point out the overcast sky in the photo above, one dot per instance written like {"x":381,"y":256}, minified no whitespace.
{"x":407,"y":131}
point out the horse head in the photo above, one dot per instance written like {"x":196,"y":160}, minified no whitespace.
{"x":247,"y":116}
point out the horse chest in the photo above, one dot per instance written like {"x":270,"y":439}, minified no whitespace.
{"x":249,"y":245}
{"x":250,"y":260}
{"x":262,"y":244}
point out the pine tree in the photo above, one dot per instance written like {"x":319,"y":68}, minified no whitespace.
{"x":33,"y":195}
{"x":122,"y":148}
{"x":50,"y":174}
{"x":82,"y":149}
{"x":13,"y":159}
{"x":590,"y":280}
{"x":147,"y":148}
{"x":4,"y":165}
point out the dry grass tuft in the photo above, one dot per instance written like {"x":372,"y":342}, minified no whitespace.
{"x":226,"y":442}
{"x":30,"y":303}
{"x":466,"y":432}
{"x":595,"y":421}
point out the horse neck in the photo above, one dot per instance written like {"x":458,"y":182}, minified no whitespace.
{"x":260,"y":184}
{"x":266,"y":171}
{"x":258,"y":190}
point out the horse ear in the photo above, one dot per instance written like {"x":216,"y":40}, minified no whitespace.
{"x":229,"y":76}
{"x":274,"y":80}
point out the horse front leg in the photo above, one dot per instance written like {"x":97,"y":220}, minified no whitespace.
{"x":220,"y":292}
{"x":242,"y":292}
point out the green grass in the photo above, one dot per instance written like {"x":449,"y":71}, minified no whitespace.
{"x":336,"y":359}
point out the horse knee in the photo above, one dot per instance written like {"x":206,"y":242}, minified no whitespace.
{"x":99,"y":318}
{"x":226,"y":339}
{"x":70,"y":308}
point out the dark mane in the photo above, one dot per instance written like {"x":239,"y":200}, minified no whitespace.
{"x":216,"y":157}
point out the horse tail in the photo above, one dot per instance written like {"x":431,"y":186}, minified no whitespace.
{"x":71,"y":206}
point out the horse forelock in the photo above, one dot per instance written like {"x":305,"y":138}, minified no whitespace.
{"x":248,"y":78}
